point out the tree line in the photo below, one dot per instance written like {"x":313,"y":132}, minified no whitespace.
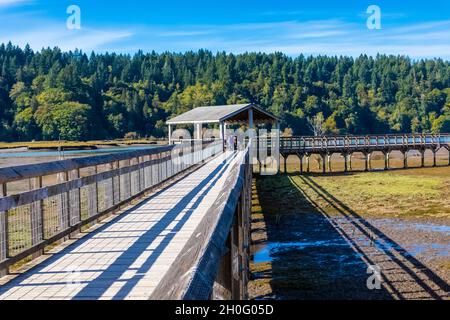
{"x":51,"y":94}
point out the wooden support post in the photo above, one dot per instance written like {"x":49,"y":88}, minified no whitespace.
{"x":130,"y":180}
{"x":119,"y":194}
{"x":170,"y":134}
{"x":222,"y":134}
{"x":386,"y":160}
{"x":235,"y":285}
{"x":250,"y":118}
{"x":4,"y":241}
{"x":36,"y":217}
{"x":112,"y":196}
{"x":434,"y":157}
{"x":307,"y":163}
{"x":77,"y":196}
{"x":350,"y":162}
{"x":63,"y":205}
{"x":345,"y":162}
{"x":241,"y":254}
{"x":324,"y":168}
{"x":222,"y":283}
{"x":329,"y":162}
{"x":285,"y":163}
{"x":405,"y":159}
{"x":198,"y":131}
{"x":300,"y":157}
{"x":366,"y":156}
{"x":422,"y":158}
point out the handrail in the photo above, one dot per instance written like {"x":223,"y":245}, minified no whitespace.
{"x":325,"y":142}
{"x":32,"y":219}
{"x":14,"y":173}
{"x":192,"y":275}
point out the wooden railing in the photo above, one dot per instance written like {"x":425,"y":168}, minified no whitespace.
{"x":336,"y":142}
{"x":219,"y":249}
{"x":43,"y":203}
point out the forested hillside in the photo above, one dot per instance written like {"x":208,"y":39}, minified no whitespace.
{"x":77,"y":96}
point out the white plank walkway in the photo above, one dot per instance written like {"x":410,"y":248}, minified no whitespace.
{"x":126,"y":258}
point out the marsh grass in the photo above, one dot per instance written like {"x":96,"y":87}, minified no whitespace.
{"x":414,"y":192}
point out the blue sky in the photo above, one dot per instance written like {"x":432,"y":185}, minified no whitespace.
{"x":418,"y":28}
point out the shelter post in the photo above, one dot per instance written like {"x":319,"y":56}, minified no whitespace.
{"x":250,"y":118}
{"x":198,"y":131}
{"x":170,"y":134}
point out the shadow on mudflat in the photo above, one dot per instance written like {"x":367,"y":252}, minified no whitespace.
{"x":307,"y":257}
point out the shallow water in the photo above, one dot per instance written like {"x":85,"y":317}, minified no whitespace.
{"x":267,"y":252}
{"x":69,"y":153}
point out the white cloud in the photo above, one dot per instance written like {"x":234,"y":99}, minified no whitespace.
{"x":39,"y":33}
{"x":83,"y":39}
{"x":7,"y":3}
{"x":333,"y":37}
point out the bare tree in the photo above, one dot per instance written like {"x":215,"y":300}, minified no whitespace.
{"x":316,"y":124}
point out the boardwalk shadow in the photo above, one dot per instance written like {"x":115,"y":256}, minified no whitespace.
{"x":309,"y":258}
{"x":403,"y":261}
{"x":113,"y":273}
{"x":105,"y":280}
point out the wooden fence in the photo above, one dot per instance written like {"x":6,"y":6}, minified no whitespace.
{"x":44,"y":203}
{"x":214,"y":264}
{"x":357,"y":142}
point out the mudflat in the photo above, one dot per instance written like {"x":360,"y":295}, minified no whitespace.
{"x":321,"y":237}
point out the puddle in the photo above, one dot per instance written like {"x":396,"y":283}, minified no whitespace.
{"x":265,"y":252}
{"x":413,"y":247}
{"x":403,"y":225}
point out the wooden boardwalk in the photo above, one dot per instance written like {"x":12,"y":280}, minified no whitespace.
{"x":127,"y":257}
{"x":346,"y":146}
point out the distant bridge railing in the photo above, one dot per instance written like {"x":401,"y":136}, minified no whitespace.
{"x":357,"y":142}
{"x":43,"y":203}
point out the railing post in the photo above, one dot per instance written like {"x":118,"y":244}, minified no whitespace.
{"x":119,"y":194}
{"x":36,"y":216}
{"x":63,"y":204}
{"x":140,"y":168}
{"x":130,"y":180}
{"x":111,"y":167}
{"x":4,"y":239}
{"x":97,"y":202}
{"x":235,"y":265}
{"x":78,"y":196}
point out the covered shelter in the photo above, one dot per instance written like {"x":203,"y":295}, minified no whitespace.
{"x":249,"y":114}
